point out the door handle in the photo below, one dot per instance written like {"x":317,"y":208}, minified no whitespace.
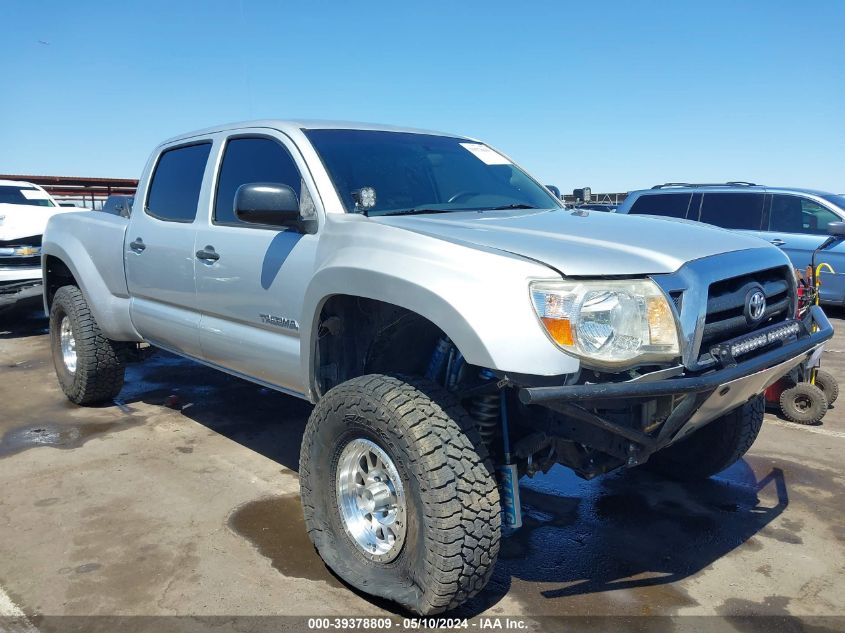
{"x":208,"y":255}
{"x":778,"y":242}
{"x":138,"y":245}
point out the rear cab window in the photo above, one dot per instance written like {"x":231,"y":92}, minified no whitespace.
{"x":670,"y":205}
{"x":175,"y":187}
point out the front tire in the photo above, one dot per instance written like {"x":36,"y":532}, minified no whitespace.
{"x":431,"y":543}
{"x":712,"y":448}
{"x":90,"y":367}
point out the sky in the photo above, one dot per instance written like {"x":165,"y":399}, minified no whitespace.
{"x":611,"y":95}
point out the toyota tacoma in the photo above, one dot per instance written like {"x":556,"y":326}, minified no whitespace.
{"x":456,"y":328}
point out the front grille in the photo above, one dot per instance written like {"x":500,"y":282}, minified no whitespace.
{"x":29,"y":261}
{"x":20,"y":262}
{"x":726,"y":304}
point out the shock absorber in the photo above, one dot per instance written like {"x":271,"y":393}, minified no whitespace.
{"x":486,"y":410}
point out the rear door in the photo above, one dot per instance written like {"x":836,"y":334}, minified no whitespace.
{"x":159,"y":250}
{"x":252,"y":288}
{"x":799,"y":225}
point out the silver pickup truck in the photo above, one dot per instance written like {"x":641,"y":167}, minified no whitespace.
{"x":455,"y":326}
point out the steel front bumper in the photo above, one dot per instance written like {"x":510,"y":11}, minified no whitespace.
{"x":712,"y":393}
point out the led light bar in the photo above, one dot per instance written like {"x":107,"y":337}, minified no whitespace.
{"x":756,"y":341}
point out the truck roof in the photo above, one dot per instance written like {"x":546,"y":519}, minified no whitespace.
{"x":288,"y":125}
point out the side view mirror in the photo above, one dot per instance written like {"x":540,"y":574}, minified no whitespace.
{"x":837,"y":229}
{"x":268,"y":203}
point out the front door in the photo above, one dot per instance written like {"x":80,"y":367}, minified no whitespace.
{"x":799,"y":225}
{"x":251,"y":287}
{"x":159,"y":250}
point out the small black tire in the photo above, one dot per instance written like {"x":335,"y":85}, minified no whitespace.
{"x":451,"y":511}
{"x":828,"y":384}
{"x":712,"y":448}
{"x":99,"y":371}
{"x":804,"y":403}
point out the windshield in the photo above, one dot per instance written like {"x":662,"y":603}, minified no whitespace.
{"x":11,"y":194}
{"x":423,"y":172}
{"x":838,"y":200}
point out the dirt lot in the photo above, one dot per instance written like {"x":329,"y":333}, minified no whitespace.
{"x":182,"y":499}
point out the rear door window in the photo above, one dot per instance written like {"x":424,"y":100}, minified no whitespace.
{"x":733,"y":210}
{"x":670,"y":205}
{"x":793,"y":214}
{"x":177,"y":180}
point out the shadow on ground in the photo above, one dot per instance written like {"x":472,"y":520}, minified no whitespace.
{"x":25,"y":319}
{"x":627,"y":531}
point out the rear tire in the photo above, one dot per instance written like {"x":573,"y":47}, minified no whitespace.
{"x":712,"y":448}
{"x":804,"y":403}
{"x":828,"y":384}
{"x":445,"y":503}
{"x":90,"y":367}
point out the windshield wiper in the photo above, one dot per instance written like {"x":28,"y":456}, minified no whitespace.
{"x":418,"y":211}
{"x":422,"y":210}
{"x":513,"y":206}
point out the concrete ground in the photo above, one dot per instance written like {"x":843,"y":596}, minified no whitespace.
{"x":182,"y":499}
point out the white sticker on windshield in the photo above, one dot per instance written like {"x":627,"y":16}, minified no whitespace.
{"x":487,"y":155}
{"x":34,"y":194}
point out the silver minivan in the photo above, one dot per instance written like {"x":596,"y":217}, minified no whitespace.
{"x":794,"y":219}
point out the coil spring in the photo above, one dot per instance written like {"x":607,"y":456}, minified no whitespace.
{"x":486,"y":410}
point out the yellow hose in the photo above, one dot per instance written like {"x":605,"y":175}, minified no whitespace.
{"x":818,"y":279}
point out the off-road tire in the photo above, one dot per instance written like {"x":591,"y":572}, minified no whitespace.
{"x":453,"y":511}
{"x":828,"y":384}
{"x":712,"y":448}
{"x":100,"y":362}
{"x":803,"y":404}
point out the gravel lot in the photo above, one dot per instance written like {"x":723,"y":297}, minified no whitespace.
{"x":182,"y":499}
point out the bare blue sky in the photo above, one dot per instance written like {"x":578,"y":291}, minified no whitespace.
{"x":613,"y":95}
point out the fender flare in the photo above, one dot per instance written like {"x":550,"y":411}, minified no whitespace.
{"x":381,"y":286}
{"x":110,"y":311}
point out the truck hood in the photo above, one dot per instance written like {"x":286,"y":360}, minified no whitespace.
{"x":582,"y":243}
{"x":23,"y":220}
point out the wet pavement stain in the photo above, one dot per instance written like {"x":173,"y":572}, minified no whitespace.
{"x":65,"y":436}
{"x":276,"y":528}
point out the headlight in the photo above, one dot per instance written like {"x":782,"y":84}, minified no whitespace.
{"x":612,"y":324}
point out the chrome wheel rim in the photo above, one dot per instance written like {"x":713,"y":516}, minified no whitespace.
{"x":371,"y":500}
{"x":68,"y":345}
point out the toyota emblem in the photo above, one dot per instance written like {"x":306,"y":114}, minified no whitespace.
{"x":755,"y":305}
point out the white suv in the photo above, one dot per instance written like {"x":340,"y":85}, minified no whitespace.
{"x":24,"y":211}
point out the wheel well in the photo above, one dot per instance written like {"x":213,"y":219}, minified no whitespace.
{"x":357,"y":336}
{"x":57,"y":275}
